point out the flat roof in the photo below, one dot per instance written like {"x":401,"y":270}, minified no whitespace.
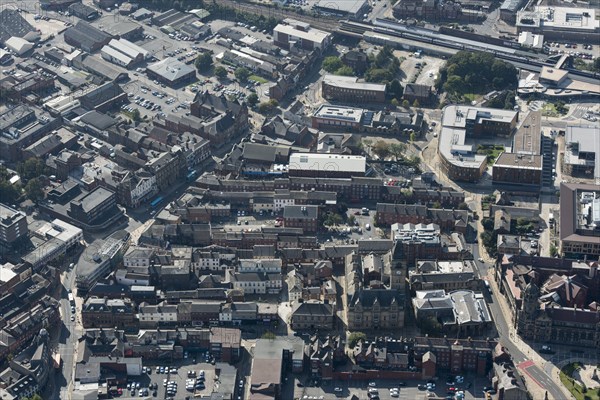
{"x":312,"y":34}
{"x":351,"y":82}
{"x":342,"y":6}
{"x":340,"y":113}
{"x":528,"y":138}
{"x":327,"y":162}
{"x":171,"y":69}
{"x":453,"y":137}
{"x":563,"y":18}
{"x":570,"y":214}
{"x":583,"y":139}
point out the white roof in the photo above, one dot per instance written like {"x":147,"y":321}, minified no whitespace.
{"x":327,"y":162}
{"x":340,"y":112}
{"x":531,"y":39}
{"x":130,"y":49}
{"x":351,"y":82}
{"x":170,"y":68}
{"x":18,"y":45}
{"x":312,"y":35}
{"x":111,"y":52}
{"x":6,"y":272}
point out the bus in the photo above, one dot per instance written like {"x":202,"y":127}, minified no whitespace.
{"x":156,"y":201}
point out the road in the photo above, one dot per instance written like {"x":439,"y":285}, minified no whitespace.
{"x":64,"y":340}
{"x":520,"y":352}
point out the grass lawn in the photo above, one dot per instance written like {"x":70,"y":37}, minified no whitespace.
{"x":470,"y":97}
{"x":257,"y":78}
{"x":491,"y":151}
{"x":574,"y":387}
{"x":549,"y":110}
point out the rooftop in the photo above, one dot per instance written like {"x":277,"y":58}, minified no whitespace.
{"x":310,"y":34}
{"x":327,"y":162}
{"x":582,"y":147}
{"x":342,"y":6}
{"x":340,"y":113}
{"x":171,"y":69}
{"x":351,"y":82}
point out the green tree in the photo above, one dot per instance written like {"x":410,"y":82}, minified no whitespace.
{"x":31,"y":168}
{"x":332,"y":219}
{"x":395,"y":102}
{"x":267,"y":106}
{"x":397,"y":150}
{"x":34,"y":190}
{"x":351,"y":220}
{"x":355,"y":337}
{"x":381,"y":149}
{"x":9,"y":193}
{"x":405,"y":103}
{"x":332,"y":64}
{"x":463,"y":206}
{"x":412,"y":137}
{"x":204,"y":62}
{"x":135,"y":115}
{"x":252,"y":99}
{"x":437,"y":204}
{"x":242,"y":74}
{"x":395,"y":89}
{"x":220,"y":72}
{"x":596,"y":64}
{"x":416,"y":104}
{"x":345,"y":71}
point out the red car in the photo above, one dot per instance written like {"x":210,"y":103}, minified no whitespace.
{"x":356,"y":212}
{"x":119,"y":391}
{"x":452,"y":389}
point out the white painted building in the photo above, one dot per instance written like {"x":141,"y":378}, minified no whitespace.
{"x":266,"y":265}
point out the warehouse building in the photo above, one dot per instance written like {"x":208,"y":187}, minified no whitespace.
{"x":86,"y":37}
{"x":123,"y":52}
{"x":352,"y":9}
{"x":171,"y":72}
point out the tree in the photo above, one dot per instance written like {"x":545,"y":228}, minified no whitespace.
{"x":33,"y":190}
{"x":31,"y":168}
{"x":9,"y":193}
{"x":267,"y":106}
{"x":397,"y":149}
{"x":412,"y":137}
{"x":356,"y":337}
{"x":135,"y":115}
{"x":252,"y":99}
{"x":345,"y":71}
{"x":332,"y":219}
{"x":437,"y":204}
{"x":381,"y":149}
{"x":204,"y":62}
{"x":395,"y":102}
{"x":242,"y":74}
{"x":220,"y":72}
{"x":332,"y":64}
{"x":416,"y":104}
{"x":351,"y":220}
{"x":395,"y":89}
{"x":405,"y":103}
{"x":596,"y":64}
